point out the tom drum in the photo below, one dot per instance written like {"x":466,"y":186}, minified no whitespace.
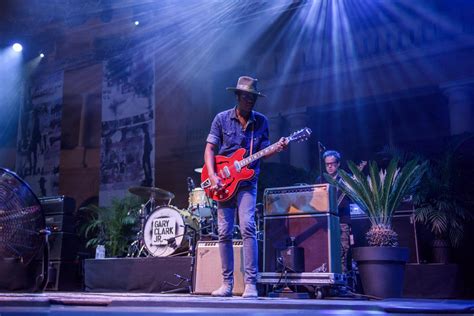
{"x":199,"y":204}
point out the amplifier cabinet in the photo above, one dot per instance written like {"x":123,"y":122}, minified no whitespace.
{"x":208,"y":272}
{"x":60,"y":223}
{"x":318,"y":234}
{"x":63,"y":246}
{"x":64,"y":276}
{"x":305,"y":199}
{"x":58,"y":204}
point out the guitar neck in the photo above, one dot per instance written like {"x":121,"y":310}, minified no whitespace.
{"x":266,"y":151}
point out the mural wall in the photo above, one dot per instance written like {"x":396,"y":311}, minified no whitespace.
{"x":39,"y":134}
{"x":128,"y":128}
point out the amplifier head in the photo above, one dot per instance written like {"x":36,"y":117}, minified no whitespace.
{"x":58,"y":204}
{"x":305,"y":199}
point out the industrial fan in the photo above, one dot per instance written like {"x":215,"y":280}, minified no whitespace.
{"x":23,"y":236}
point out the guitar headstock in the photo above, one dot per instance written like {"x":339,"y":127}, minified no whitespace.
{"x":300,"y":135}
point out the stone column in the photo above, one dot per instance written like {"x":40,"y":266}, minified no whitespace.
{"x":80,"y":142}
{"x":460,"y":103}
{"x":299,"y":152}
{"x":275,"y":126}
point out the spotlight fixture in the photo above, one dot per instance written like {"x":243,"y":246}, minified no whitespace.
{"x":17,"y":47}
{"x":41,"y":55}
{"x":137,"y":23}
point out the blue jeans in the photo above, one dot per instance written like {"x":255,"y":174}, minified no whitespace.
{"x":244,"y":202}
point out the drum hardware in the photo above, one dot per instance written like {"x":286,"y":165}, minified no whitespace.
{"x":192,"y":240}
{"x":209,"y":229}
{"x":208,"y":224}
{"x":177,"y":287}
{"x":137,"y":247}
{"x":203,"y":208}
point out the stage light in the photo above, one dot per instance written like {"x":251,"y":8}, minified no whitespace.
{"x":137,"y":23}
{"x":41,"y":55}
{"x":17,"y":47}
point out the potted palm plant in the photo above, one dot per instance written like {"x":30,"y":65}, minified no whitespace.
{"x":440,"y":206}
{"x":382,"y":263}
{"x":112,"y":226}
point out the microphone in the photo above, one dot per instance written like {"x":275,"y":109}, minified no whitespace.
{"x":191,"y":185}
{"x":321,"y":147}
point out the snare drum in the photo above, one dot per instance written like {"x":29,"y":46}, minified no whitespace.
{"x":166,"y":231}
{"x":199,"y":204}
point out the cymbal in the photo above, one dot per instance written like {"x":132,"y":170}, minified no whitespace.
{"x":198,"y":170}
{"x":147,"y":192}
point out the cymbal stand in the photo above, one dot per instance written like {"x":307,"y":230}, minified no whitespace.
{"x":137,"y":247}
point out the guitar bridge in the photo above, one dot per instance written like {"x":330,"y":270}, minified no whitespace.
{"x":206,"y":184}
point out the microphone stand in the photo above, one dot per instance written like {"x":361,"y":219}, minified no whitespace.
{"x":320,"y":150}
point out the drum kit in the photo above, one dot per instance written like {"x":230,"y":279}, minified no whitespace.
{"x":166,"y":230}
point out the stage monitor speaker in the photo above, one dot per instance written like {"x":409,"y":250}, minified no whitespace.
{"x":402,"y":224}
{"x":298,"y":200}
{"x":318,"y":234}
{"x":208,"y":272}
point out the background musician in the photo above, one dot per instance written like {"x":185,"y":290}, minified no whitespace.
{"x":332,"y":162}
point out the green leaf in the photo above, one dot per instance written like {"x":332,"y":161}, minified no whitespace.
{"x":380,"y":193}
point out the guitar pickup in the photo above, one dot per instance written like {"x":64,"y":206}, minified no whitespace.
{"x":237,"y":166}
{"x":226,"y":172}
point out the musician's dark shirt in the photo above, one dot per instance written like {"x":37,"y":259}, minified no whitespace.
{"x":344,"y":209}
{"x":228,"y":135}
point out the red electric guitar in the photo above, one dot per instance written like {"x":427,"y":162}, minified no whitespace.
{"x":233,"y":170}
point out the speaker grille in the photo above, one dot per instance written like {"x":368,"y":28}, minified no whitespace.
{"x":317,"y":234}
{"x":208,"y":272}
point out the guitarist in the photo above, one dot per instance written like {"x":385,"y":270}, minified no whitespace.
{"x":332,"y":161}
{"x":238,"y":127}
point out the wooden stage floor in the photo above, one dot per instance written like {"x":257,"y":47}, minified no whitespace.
{"x":86,"y":303}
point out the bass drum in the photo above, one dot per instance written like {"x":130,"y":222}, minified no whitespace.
{"x":167,"y":231}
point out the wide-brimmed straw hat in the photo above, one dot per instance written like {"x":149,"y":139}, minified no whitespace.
{"x":247,"y":84}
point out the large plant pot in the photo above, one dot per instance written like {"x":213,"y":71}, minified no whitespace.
{"x":381,"y":270}
{"x":441,"y":251}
